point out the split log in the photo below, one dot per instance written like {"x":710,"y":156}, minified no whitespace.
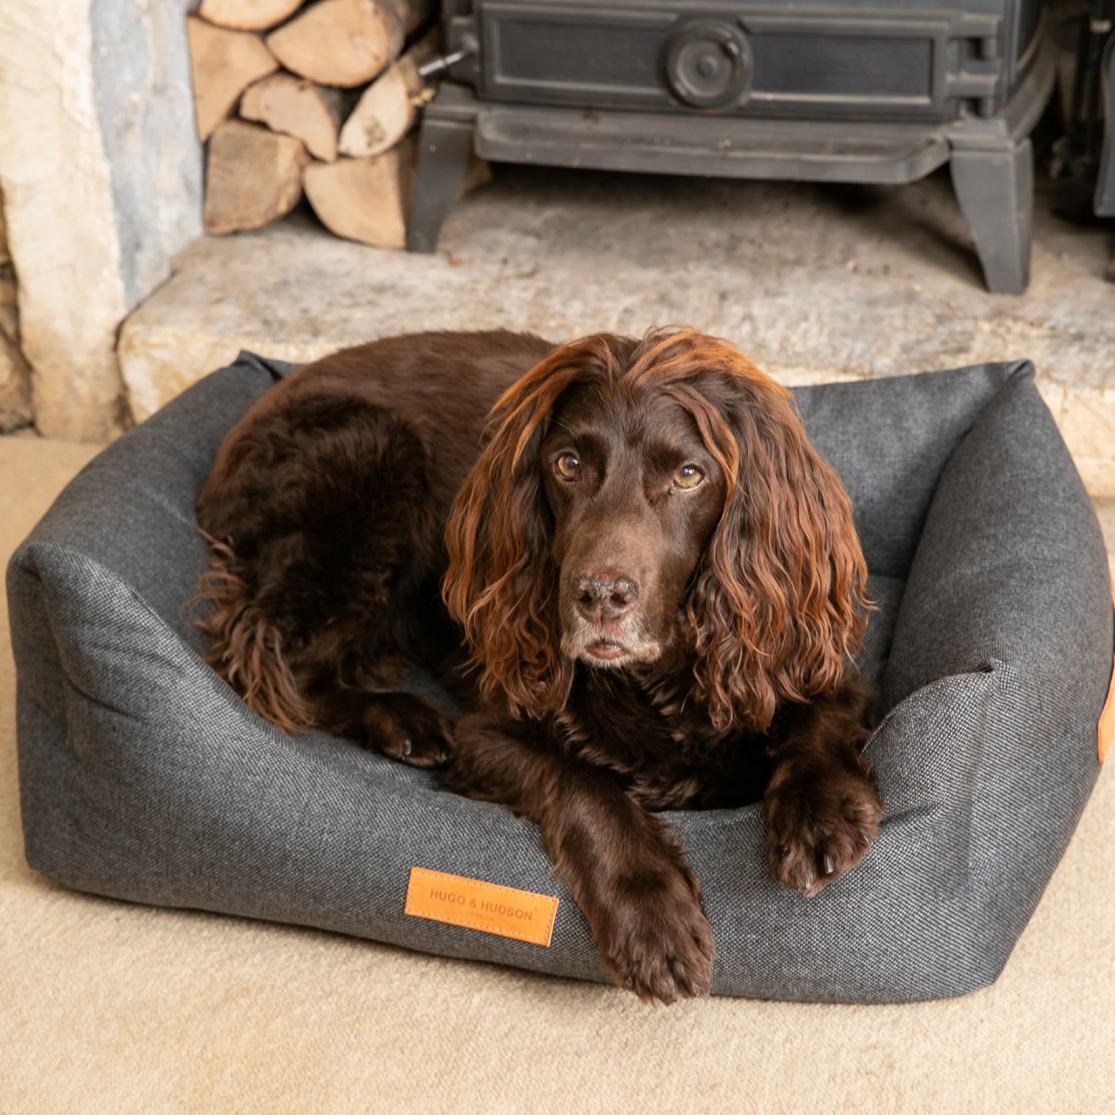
{"x":346,"y":42}
{"x":297,"y":107}
{"x":248,"y":15}
{"x":253,"y":177}
{"x":224,"y":63}
{"x":365,"y":199}
{"x":408,"y":15}
{"x":369,"y":199}
{"x":388,"y":107}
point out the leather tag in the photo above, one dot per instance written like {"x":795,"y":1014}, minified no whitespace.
{"x":487,"y":907}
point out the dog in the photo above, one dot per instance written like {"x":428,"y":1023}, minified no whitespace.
{"x":656,"y":577}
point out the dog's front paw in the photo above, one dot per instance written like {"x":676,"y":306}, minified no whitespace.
{"x":657,"y":941}
{"x":406,"y":728}
{"x":821,"y":820}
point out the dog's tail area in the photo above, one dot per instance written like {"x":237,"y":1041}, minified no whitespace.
{"x":246,"y":648}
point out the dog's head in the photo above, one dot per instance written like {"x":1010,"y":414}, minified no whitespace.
{"x":639,"y":499}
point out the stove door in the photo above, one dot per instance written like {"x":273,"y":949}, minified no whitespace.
{"x":739,"y":59}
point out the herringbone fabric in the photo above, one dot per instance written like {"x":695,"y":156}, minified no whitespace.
{"x":144,"y":777}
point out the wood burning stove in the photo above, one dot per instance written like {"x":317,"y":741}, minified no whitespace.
{"x":823,"y":90}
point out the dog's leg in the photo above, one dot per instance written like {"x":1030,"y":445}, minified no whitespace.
{"x":821,"y":807}
{"x":625,"y":872}
{"x":400,"y":725}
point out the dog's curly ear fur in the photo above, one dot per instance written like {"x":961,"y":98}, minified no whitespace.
{"x":501,"y":583}
{"x":778,"y":604}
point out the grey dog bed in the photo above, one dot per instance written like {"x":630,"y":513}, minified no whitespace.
{"x":144,"y":777}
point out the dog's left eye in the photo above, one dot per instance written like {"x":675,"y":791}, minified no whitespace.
{"x":567,"y":466}
{"x":688,"y":477}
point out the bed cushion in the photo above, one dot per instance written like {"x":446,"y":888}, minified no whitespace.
{"x":144,"y":777}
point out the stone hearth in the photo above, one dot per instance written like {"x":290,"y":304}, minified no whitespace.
{"x":815,"y":283}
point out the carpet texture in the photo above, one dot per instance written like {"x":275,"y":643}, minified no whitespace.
{"x":107,"y":1007}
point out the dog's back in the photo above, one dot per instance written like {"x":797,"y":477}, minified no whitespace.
{"x":325,"y":510}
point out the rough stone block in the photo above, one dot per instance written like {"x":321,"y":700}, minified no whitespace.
{"x":100,"y":173}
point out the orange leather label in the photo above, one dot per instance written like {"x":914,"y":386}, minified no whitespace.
{"x":1107,"y":717}
{"x":491,"y":909}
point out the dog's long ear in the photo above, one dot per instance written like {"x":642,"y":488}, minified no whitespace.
{"x":502,"y":582}
{"x":778,"y":604}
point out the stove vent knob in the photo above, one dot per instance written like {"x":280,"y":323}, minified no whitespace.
{"x":708,"y":64}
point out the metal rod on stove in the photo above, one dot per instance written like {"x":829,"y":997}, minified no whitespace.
{"x":469,"y":47}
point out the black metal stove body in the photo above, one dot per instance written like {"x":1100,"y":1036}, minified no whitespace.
{"x":860,"y":92}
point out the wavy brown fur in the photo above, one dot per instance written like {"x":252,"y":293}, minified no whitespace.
{"x":246,"y":648}
{"x":778,"y":605}
{"x":644,"y":642}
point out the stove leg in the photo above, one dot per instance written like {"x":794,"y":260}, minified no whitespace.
{"x":444,"y":148}
{"x":995,"y":188}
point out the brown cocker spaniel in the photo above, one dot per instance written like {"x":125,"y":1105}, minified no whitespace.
{"x":657,"y":578}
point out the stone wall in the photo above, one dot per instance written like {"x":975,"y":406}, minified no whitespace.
{"x":100,"y":169}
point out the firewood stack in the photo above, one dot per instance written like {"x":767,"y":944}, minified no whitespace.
{"x":320,"y":97}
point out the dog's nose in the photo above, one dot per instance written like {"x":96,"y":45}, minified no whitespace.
{"x":604,"y":596}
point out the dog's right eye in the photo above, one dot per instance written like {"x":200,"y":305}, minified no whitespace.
{"x":567,"y":466}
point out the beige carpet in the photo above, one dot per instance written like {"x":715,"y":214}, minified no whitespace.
{"x":116,"y":1009}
